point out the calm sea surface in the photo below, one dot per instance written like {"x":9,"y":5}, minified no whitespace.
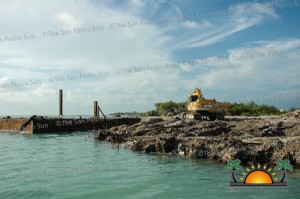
{"x":74,"y":165}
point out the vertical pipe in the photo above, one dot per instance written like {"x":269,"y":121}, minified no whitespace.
{"x":60,"y":103}
{"x":96,"y":112}
{"x":98,"y":109}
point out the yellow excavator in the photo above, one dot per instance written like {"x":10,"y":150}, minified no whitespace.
{"x":200,"y":108}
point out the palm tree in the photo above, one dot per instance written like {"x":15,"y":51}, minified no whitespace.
{"x":283,"y":165}
{"x":233,"y":165}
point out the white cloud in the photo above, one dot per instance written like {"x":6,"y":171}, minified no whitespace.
{"x":190,"y":25}
{"x":123,"y":47}
{"x":271,"y":65}
{"x":185,"y":67}
{"x":238,"y":18}
{"x":105,"y":50}
{"x":196,"y":26}
{"x":68,"y":20}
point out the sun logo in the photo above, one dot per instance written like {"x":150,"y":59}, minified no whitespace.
{"x":259,"y":175}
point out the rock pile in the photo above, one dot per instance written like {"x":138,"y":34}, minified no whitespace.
{"x":258,"y":139}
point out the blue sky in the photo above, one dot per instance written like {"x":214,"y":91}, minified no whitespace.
{"x":232,"y":50}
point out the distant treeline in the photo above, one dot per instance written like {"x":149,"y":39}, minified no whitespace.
{"x":236,"y":109}
{"x":251,"y":109}
{"x":167,"y":108}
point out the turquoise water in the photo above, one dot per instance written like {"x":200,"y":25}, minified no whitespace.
{"x":75,"y":166}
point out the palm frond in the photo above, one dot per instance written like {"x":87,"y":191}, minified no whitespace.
{"x":233,"y":165}
{"x":279,"y":162}
{"x":285,"y":163}
{"x":227,"y":167}
{"x":230,"y":162}
{"x":290,"y":167}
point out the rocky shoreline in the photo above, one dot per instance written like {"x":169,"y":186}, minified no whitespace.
{"x":250,"y":139}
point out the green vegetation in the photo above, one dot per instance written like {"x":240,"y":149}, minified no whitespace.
{"x":165,"y":108}
{"x":151,"y":113}
{"x":251,"y":109}
{"x":236,"y":109}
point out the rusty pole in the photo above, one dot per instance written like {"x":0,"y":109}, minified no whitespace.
{"x":60,"y":103}
{"x":96,"y":112}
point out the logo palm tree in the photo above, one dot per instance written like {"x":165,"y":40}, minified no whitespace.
{"x":233,"y":165}
{"x":283,"y":165}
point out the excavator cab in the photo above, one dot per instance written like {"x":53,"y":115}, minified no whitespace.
{"x":197,"y":94}
{"x":192,"y":98}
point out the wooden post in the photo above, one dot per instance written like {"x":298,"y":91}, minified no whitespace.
{"x":60,"y":103}
{"x":96,"y":112}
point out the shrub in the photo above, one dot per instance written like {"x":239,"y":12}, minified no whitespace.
{"x":251,"y":109}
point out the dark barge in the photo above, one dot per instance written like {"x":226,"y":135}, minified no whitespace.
{"x":41,"y":124}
